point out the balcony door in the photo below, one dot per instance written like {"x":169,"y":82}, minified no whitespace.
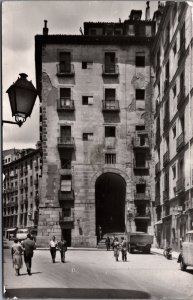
{"x":110,"y":62}
{"x":65,"y":62}
{"x":65,"y":133}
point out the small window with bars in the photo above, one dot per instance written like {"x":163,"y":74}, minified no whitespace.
{"x":110,"y":158}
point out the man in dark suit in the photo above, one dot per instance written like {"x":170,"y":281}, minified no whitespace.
{"x":29,"y":246}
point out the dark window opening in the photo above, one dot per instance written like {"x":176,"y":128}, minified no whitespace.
{"x":87,"y":136}
{"x":84,"y":65}
{"x":110,"y":131}
{"x":65,"y":62}
{"x":139,"y":127}
{"x":110,"y":62}
{"x":140,"y":160}
{"x":140,"y":94}
{"x":65,"y":163}
{"x":110,"y":158}
{"x":110,"y":94}
{"x":85,"y":100}
{"x":140,"y":188}
{"x":140,"y":61}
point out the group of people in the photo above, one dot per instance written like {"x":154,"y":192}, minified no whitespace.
{"x":117,"y":247}
{"x":61,"y":246}
{"x":27,"y":246}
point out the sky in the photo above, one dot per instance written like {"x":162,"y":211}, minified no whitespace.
{"x":21,"y":21}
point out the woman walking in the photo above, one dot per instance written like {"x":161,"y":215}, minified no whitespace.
{"x":116,"y":248}
{"x":16,"y":253}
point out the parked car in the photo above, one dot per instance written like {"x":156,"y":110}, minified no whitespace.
{"x":187,"y":251}
{"x":140,"y":241}
{"x":22,"y":234}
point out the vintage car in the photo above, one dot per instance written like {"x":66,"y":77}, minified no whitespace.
{"x":187,"y":251}
{"x":140,"y":241}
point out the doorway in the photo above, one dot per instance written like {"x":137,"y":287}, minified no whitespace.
{"x":110,"y":191}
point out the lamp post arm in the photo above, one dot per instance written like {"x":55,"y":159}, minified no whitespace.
{"x":19,"y":123}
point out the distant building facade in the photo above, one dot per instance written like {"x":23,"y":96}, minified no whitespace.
{"x":21,"y":189}
{"x":173,"y":95}
{"x":96,"y":127}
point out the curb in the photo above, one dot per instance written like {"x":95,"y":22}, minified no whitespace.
{"x":152,"y":251}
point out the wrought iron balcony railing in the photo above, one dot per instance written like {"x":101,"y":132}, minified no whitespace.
{"x":65,"y":104}
{"x":66,"y":142}
{"x":110,"y":70}
{"x":110,"y":105}
{"x":65,"y":70}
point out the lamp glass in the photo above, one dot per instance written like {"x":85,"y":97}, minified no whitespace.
{"x":25,"y":100}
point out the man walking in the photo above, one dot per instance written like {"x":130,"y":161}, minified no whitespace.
{"x":29,"y":246}
{"x":124,"y":249}
{"x":63,"y":248}
{"x":53,"y":244}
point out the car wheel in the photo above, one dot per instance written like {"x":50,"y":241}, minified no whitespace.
{"x":182,"y":265}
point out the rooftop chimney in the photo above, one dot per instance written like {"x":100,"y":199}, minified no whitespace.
{"x":45,"y":29}
{"x":147,"y":12}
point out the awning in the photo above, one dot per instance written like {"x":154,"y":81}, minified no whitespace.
{"x":159,"y":222}
{"x":11,"y":229}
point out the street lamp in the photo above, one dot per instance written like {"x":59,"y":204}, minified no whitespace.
{"x":22,"y":96}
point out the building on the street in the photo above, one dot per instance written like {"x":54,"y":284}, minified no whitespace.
{"x":172,"y":55}
{"x":21,"y":188}
{"x":96,"y":125}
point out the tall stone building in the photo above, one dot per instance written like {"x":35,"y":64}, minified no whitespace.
{"x":96,"y":127}
{"x":173,"y":94}
{"x":21,"y":189}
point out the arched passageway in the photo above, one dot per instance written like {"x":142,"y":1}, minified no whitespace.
{"x":110,"y":191}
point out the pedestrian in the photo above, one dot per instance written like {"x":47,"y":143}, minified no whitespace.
{"x":100,"y":232}
{"x":116,"y":246}
{"x":16,"y":253}
{"x":62,"y":246}
{"x":29,"y":247}
{"x":113,"y":240}
{"x":124,"y":249}
{"x":108,"y":243}
{"x":53,"y":245}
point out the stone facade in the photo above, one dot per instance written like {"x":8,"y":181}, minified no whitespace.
{"x":72,"y":167}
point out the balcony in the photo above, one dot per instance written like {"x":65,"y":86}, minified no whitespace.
{"x":166,"y":195}
{"x":166,"y":158}
{"x":157,"y":168}
{"x":181,"y":97}
{"x":181,"y":51}
{"x":66,"y":196}
{"x":141,"y":141}
{"x":141,"y":168}
{"x":66,"y":142}
{"x":110,"y":105}
{"x":141,"y":196}
{"x":110,"y":70}
{"x":65,"y":71}
{"x":65,"y":104}
{"x":145,"y":216}
{"x":180,"y":142}
{"x":166,"y":85}
{"x":180,"y":185}
{"x":65,"y":218}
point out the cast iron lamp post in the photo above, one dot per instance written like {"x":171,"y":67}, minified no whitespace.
{"x":22,"y":96}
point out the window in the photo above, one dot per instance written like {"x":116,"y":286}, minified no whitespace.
{"x":174,"y":91}
{"x":87,"y":100}
{"x":175,"y":48}
{"x":110,"y":62}
{"x":110,"y":158}
{"x":140,"y":160}
{"x":148,"y":30}
{"x":140,"y":59}
{"x":65,"y":97}
{"x":174,"y":131}
{"x":139,"y":94}
{"x":139,"y":127}
{"x":110,"y":131}
{"x":174,"y":171}
{"x":66,"y":163}
{"x":87,"y":136}
{"x":118,"y":31}
{"x":109,"y":94}
{"x":131,"y":30}
{"x":65,"y":62}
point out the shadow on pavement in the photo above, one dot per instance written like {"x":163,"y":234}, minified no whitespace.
{"x":79,"y":293}
{"x":26,"y":274}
